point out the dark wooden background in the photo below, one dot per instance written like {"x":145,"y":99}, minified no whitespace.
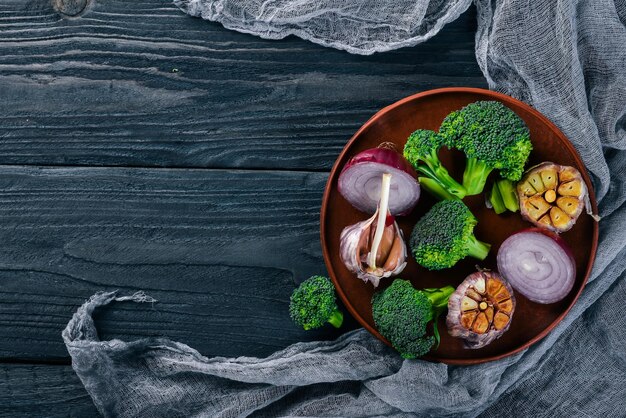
{"x":144,"y":149}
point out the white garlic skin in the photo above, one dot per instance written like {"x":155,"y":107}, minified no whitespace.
{"x":353,"y":237}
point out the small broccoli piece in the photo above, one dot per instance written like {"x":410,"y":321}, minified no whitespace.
{"x":492,"y":137}
{"x":444,"y":235}
{"x":401,"y":314}
{"x":503,"y":196}
{"x":421,"y":150}
{"x":313,"y":303}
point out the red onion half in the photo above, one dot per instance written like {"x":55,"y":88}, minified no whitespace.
{"x":359,"y":181}
{"x":538,"y":264}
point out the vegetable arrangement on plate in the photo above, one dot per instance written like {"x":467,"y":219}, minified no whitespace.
{"x":535,"y":262}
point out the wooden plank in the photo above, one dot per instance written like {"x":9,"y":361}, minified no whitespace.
{"x":221,"y":251}
{"x":43,"y":391}
{"x":141,"y":84}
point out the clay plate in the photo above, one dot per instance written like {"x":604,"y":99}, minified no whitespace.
{"x":531,"y":321}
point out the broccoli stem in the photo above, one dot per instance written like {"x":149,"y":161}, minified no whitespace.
{"x":475,"y":176}
{"x":336,"y":318}
{"x":448,"y":187}
{"x":439,"y":172}
{"x":507,"y":191}
{"x":439,"y":299}
{"x":496,"y":200}
{"x":383,"y":208}
{"x":434,"y":188}
{"x":477,"y":249}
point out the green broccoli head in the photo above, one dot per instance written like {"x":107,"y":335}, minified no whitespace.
{"x":492,"y":137}
{"x":402,"y":313}
{"x":423,"y":145}
{"x":421,"y":150}
{"x":444,"y":235}
{"x":314,"y":303}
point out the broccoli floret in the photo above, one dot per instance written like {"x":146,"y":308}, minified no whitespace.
{"x":492,"y":137}
{"x":503,"y":196}
{"x":444,"y":235}
{"x":313,"y":303}
{"x":401,"y":314}
{"x":421,"y":150}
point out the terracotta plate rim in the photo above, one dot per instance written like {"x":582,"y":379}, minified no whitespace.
{"x":451,"y":90}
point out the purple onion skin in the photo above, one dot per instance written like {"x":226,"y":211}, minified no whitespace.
{"x":387,"y":156}
{"x":526,"y":288}
{"x":472,"y":339}
{"x":380,"y":160}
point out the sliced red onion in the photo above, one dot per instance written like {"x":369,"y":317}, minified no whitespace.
{"x":359,"y":181}
{"x":538,"y":264}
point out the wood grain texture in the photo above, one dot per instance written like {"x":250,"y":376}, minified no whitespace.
{"x":141,"y":84}
{"x":43,"y":391}
{"x":220,"y":250}
{"x":121,"y":83}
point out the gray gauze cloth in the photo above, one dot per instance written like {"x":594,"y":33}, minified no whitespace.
{"x":566,"y":58}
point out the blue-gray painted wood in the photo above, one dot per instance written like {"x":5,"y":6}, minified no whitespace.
{"x":141,"y":84}
{"x":221,"y":251}
{"x":36,"y":390}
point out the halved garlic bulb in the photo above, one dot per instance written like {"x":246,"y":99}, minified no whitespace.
{"x":481,"y":309}
{"x":356,"y":242}
{"x":374,"y":248}
{"x":552,"y":196}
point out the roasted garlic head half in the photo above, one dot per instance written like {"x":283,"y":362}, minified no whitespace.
{"x":552,"y":196}
{"x":481,"y":308}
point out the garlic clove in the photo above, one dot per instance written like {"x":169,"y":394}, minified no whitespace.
{"x":500,"y":295}
{"x":549,"y":178}
{"x":493,"y":286}
{"x":506,"y":306}
{"x":479,"y":285}
{"x":501,"y":321}
{"x":559,"y":218}
{"x":386,"y":243}
{"x":545,"y":221}
{"x":489,"y":313}
{"x":568,"y":174}
{"x":468,"y":304}
{"x":526,"y":188}
{"x":481,"y":323}
{"x":468,"y":318}
{"x":474,"y":295}
{"x":395,"y":254}
{"x":568,"y":205}
{"x":571,"y":188}
{"x":535,"y":181}
{"x":537,"y":205}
